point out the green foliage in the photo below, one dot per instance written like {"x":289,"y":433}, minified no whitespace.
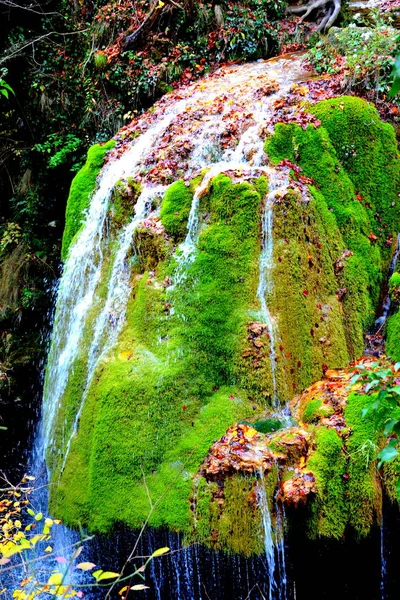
{"x":60,"y":147}
{"x":82,"y":187}
{"x":5,"y":89}
{"x":381,"y":409}
{"x":368,"y":54}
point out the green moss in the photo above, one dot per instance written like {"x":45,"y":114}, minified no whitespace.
{"x":314,"y":410}
{"x":175,"y":210}
{"x":329,"y":509}
{"x":393,"y":336}
{"x":151,"y":248}
{"x":304,"y":294}
{"x":152,"y":410}
{"x":363,"y":488}
{"x":123,"y":198}
{"x":354,"y":162}
{"x":228,"y":514}
{"x":367,"y":149}
{"x":394,"y":288}
{"x":82,"y":186}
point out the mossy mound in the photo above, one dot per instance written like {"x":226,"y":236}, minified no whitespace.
{"x":82,"y":187}
{"x":153,"y":408}
{"x":175,"y":210}
{"x":354,"y":161}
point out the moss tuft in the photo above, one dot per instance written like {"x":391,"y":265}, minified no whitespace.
{"x":329,"y":509}
{"x":82,"y":187}
{"x":175,"y":210}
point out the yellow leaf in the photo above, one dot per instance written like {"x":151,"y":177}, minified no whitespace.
{"x":49,"y":522}
{"x":160,"y":551}
{"x":39,"y":517}
{"x":17,"y":524}
{"x":48,"y":549}
{"x":55,"y":579}
{"x":160,"y":4}
{"x":85,"y":566}
{"x":107,"y":575}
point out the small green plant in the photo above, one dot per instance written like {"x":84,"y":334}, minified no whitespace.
{"x":382,"y":383}
{"x":60,"y":148}
{"x":100,"y":60}
{"x":5,"y":89}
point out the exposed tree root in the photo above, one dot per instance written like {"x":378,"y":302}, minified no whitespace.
{"x":330,"y":10}
{"x":158,"y":10}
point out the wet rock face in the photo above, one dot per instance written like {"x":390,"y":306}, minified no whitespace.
{"x":244,"y":450}
{"x":326,"y":462}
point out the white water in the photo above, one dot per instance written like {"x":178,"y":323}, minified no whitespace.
{"x":82,"y":273}
{"x":112,"y":316}
{"x":269,"y":544}
{"x":278,"y":183}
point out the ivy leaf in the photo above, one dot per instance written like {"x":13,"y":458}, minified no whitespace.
{"x":389,"y":426}
{"x":387,"y":454}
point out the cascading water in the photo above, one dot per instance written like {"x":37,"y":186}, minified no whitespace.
{"x":278,"y":183}
{"x":386,"y":304}
{"x":269,"y":544}
{"x":78,"y":290}
{"x":110,"y":320}
{"x":274,"y":542}
{"x":82,"y":274}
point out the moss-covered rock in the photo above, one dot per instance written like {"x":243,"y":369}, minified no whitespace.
{"x":123,"y":199}
{"x":82,"y":187}
{"x":193,"y":358}
{"x":153,"y":408}
{"x":175,"y":209}
{"x":354,"y":162}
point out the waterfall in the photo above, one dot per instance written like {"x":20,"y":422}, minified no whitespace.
{"x":111,"y":318}
{"x":269,"y":544}
{"x":82,"y":273}
{"x":94,"y":247}
{"x":278,"y":182}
